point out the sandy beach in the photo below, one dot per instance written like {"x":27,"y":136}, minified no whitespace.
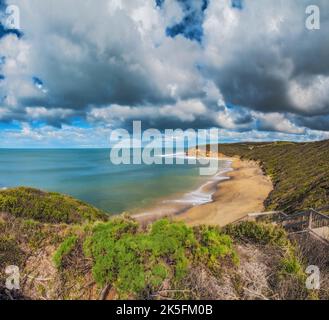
{"x":243,"y":193}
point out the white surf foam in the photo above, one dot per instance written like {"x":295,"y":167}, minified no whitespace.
{"x":187,"y":157}
{"x":201,"y":195}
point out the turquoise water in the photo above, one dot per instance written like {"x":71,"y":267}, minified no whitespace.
{"x":89,"y":175}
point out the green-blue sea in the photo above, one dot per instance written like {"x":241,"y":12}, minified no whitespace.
{"x":89,"y":175}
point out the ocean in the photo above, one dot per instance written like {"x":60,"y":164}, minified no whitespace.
{"x":89,"y":175}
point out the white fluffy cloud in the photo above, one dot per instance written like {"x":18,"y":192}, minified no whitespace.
{"x":111,"y":62}
{"x":277,"y":122}
{"x":104,"y":53}
{"x":311,"y":97}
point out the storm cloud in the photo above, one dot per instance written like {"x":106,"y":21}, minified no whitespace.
{"x":264,"y":58}
{"x":237,"y":65}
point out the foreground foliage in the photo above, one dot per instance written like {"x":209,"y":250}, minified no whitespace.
{"x":137,"y":263}
{"x":166,"y":260}
{"x":259,"y":233}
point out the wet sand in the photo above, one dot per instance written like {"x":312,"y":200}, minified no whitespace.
{"x":243,"y":193}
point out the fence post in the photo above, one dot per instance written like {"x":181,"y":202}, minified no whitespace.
{"x":310,"y":220}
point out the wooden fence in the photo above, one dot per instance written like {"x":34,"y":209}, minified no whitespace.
{"x":312,"y":221}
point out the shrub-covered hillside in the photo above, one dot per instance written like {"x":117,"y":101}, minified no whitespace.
{"x":300,"y":172}
{"x":121,"y":259}
{"x":68,"y":250}
{"x":47,"y":206}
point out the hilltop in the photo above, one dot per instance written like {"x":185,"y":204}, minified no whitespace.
{"x":120,"y":259}
{"x":117,"y":258}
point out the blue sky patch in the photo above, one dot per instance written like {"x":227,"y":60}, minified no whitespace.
{"x":237,"y":4}
{"x":191,"y":25}
{"x":37,"y":81}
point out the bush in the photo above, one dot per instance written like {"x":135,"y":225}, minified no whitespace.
{"x":289,"y":277}
{"x":291,"y":265}
{"x":258,"y":233}
{"x":47,"y":207}
{"x":214,"y":245}
{"x":136,"y":263}
{"x":64,"y":250}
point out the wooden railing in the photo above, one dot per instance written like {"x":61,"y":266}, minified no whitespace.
{"x":311,"y":221}
{"x":303,"y":221}
{"x":296,"y":222}
{"x":318,"y":220}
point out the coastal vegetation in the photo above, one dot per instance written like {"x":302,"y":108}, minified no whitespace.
{"x":118,"y":258}
{"x":64,"y":250}
{"x":290,"y":272}
{"x":138,"y":262}
{"x":47,"y":206}
{"x":299,"y":171}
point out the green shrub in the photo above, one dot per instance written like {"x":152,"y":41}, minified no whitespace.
{"x":291,"y":263}
{"x":47,"y":207}
{"x":291,"y":277}
{"x":64,"y":250}
{"x":214,"y":245}
{"x":258,"y":233}
{"x":137,"y":262}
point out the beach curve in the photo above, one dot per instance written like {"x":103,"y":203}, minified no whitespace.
{"x":242,"y":190}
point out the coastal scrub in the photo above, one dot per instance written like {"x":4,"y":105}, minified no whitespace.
{"x":137,"y":263}
{"x":47,"y":207}
{"x":64,"y":250}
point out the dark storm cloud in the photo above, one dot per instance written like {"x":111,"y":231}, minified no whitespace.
{"x":83,"y":62}
{"x":245,"y":82}
{"x":320,"y":123}
{"x":269,"y":57}
{"x":238,"y":65}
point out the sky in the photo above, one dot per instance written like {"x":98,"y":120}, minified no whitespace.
{"x":78,"y":69}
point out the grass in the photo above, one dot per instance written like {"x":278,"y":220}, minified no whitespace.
{"x":136,"y":263}
{"x":47,"y":207}
{"x":268,"y":235}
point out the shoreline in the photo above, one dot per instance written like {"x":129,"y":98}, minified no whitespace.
{"x":237,"y":192}
{"x":179,"y":203}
